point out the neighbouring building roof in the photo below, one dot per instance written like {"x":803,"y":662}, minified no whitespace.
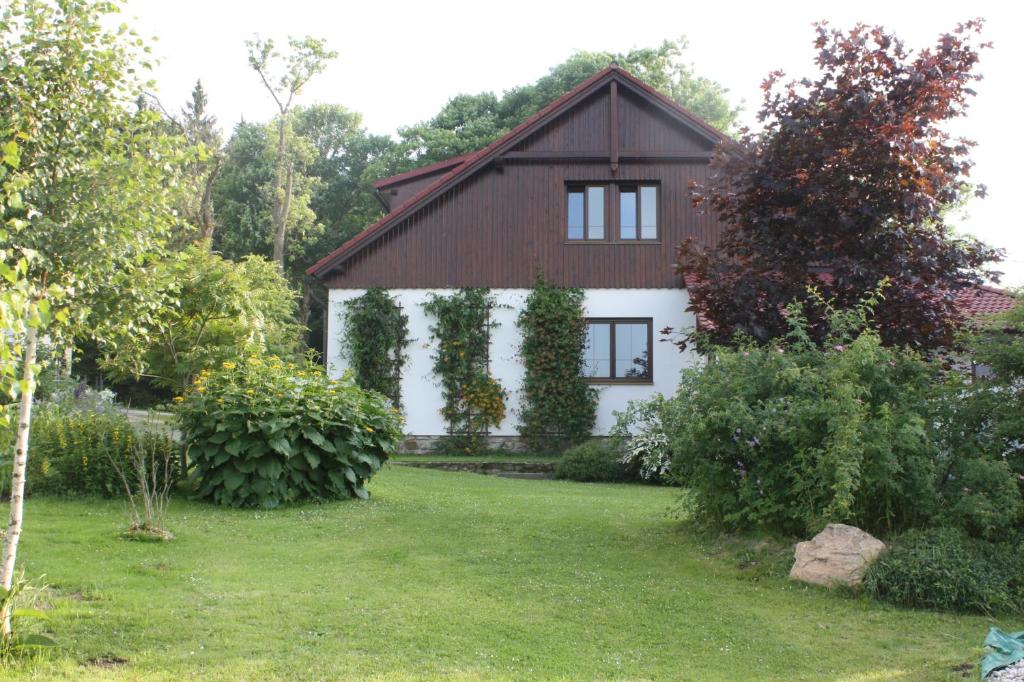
{"x":400,"y":178}
{"x":984,"y":300}
{"x":974,"y":302}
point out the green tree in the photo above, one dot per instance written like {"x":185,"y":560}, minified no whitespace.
{"x":332,"y":193}
{"x":284,"y":77}
{"x":98,"y":186}
{"x":208,"y":310}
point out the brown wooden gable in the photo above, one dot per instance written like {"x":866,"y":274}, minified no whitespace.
{"x":499,"y":218}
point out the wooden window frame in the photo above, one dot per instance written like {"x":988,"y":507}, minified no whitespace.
{"x":637,"y":187}
{"x":612,"y":211}
{"x":584,"y":187}
{"x":613,"y":322}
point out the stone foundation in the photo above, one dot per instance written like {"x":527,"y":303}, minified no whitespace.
{"x":518,"y":469}
{"x":431,"y":445}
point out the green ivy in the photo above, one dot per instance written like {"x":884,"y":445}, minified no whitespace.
{"x":375,"y":334}
{"x":473,"y":400}
{"x":559,"y":407}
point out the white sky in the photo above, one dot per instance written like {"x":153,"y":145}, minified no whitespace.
{"x":399,"y":62}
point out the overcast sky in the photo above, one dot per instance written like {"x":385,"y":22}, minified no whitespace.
{"x":400,"y":62}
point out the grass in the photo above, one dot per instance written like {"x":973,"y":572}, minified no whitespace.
{"x":455,"y":576}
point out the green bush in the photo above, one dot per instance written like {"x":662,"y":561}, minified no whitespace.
{"x":263,"y":432}
{"x":945,"y":569}
{"x":591,"y":461}
{"x":70,"y":451}
{"x":792,"y":437}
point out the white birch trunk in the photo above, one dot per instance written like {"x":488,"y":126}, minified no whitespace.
{"x":18,"y":475}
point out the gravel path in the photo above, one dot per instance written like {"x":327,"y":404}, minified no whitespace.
{"x":1011,"y":673}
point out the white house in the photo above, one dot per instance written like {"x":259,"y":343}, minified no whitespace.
{"x":591,"y":192}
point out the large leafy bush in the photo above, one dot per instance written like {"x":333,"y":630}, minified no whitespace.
{"x":262,"y":432}
{"x":795,"y":435}
{"x":790,"y":437}
{"x":945,"y":569}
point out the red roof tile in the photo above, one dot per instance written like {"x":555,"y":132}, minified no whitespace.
{"x":984,"y":300}
{"x":972,"y":302}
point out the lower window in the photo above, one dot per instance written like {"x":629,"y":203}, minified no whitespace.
{"x":619,"y":350}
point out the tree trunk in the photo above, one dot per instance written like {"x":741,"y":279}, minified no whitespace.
{"x":280,"y":207}
{"x":206,"y":204}
{"x":69,"y":358}
{"x":307,"y":304}
{"x":18,"y":475}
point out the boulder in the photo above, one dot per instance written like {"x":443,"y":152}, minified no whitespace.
{"x":838,"y":555}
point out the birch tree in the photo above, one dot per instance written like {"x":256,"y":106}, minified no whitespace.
{"x":89,"y":186}
{"x":284,"y":76}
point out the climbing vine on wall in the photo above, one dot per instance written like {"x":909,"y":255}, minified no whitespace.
{"x":558,"y":405}
{"x":375,"y":334}
{"x":473,"y":400}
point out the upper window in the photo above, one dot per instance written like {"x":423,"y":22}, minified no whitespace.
{"x":618,"y":350}
{"x":636,"y":207}
{"x":586,"y":212}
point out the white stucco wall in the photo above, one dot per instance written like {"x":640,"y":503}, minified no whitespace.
{"x":421,"y":393}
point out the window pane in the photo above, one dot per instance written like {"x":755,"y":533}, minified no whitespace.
{"x":648,"y":212}
{"x":631,"y":361}
{"x":627,"y":214}
{"x":576,"y":214}
{"x":597,"y":354}
{"x":595,"y":213}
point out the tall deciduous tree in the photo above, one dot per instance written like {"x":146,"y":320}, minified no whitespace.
{"x":98,"y":181}
{"x":850,"y":175}
{"x":284,"y":76}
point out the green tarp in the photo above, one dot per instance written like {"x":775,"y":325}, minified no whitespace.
{"x":1005,"y":648}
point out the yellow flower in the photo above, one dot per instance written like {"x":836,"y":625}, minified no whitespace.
{"x":250,"y":391}
{"x":200,"y":389}
{"x":227,"y":365}
{"x":369,"y":429}
{"x":179,"y":398}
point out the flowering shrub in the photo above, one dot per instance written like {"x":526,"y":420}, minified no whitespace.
{"x":473,"y":400}
{"x":640,"y":439}
{"x":262,"y":432}
{"x":75,"y":452}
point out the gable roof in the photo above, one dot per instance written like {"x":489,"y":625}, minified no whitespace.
{"x":467,"y":165}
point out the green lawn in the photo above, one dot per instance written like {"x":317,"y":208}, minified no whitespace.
{"x":455,"y":576}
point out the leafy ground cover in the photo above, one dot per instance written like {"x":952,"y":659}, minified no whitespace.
{"x":456,"y":576}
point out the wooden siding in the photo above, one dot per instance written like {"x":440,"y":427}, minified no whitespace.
{"x":507,"y":223}
{"x":644,"y":129}
{"x":584,"y":127}
{"x":503,"y":229}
